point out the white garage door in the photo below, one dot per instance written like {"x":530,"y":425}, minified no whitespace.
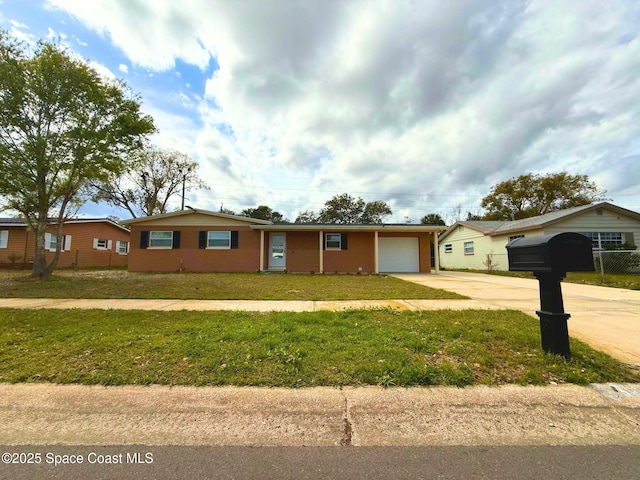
{"x":398,"y":254}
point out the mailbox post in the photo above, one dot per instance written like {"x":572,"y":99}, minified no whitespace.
{"x":550,"y":257}
{"x":553,"y":320}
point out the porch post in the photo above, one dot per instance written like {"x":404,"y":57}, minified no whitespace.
{"x":261,"y":251}
{"x":436,"y":254}
{"x":376,"y":266}
{"x":320,"y":244}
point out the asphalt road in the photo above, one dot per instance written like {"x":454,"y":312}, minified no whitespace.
{"x":299,"y":463}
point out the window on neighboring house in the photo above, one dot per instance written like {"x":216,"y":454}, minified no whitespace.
{"x":102,"y":244}
{"x":333,"y":241}
{"x":161,"y":239}
{"x":219,"y":239}
{"x":468,"y":248}
{"x":448,"y":247}
{"x":600,"y":240}
{"x":4,"y":238}
{"x":122,"y":248}
{"x":51,"y":242}
{"x":513,"y":237}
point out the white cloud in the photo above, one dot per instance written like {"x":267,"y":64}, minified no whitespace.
{"x":103,"y":71}
{"x":123,"y":68}
{"x":425,"y":104}
{"x":142,"y":26}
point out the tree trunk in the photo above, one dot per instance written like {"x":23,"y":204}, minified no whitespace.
{"x":40,"y":268}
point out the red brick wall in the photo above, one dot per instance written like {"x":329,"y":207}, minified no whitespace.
{"x":16,"y":245}
{"x":81,"y":252}
{"x":302,"y":252}
{"x":359,"y":253}
{"x":246,"y":258}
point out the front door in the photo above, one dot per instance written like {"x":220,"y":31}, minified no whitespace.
{"x":277,"y":251}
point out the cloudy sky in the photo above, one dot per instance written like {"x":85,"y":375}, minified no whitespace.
{"x":423,"y":104}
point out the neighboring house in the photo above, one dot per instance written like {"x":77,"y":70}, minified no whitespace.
{"x":475,"y":244}
{"x":96,"y":242}
{"x":204,"y":241}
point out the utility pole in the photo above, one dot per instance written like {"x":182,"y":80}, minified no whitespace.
{"x":184,"y":181}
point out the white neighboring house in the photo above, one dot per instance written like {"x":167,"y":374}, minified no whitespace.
{"x":475,"y":244}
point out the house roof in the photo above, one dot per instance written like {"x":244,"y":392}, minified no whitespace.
{"x":501,"y":227}
{"x":258,"y":224}
{"x":333,"y":227}
{"x":21,"y":222}
{"x":191,"y":211}
{"x":12,"y":222}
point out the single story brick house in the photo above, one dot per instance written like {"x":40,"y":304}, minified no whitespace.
{"x":468,"y":244}
{"x":90,"y":242}
{"x":204,"y":241}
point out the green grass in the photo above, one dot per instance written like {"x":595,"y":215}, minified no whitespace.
{"x":616,"y":280}
{"x":215,"y":286}
{"x":359,"y":347}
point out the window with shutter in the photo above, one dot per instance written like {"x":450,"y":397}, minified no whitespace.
{"x":122,"y":248}
{"x":333,"y":241}
{"x":161,"y":239}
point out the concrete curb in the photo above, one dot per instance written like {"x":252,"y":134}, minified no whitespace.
{"x":45,"y":414}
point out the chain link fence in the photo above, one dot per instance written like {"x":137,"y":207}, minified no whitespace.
{"x":76,"y":258}
{"x":625,"y":262}
{"x":617,"y":261}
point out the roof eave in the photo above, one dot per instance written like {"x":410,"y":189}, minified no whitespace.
{"x":195,"y":210}
{"x":292,"y":227}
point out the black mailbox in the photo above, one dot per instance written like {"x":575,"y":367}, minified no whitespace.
{"x":550,"y":257}
{"x":555,"y":253}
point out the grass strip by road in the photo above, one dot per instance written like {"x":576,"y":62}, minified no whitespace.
{"x":358,"y":347}
{"x":629,"y":281}
{"x":215,"y":286}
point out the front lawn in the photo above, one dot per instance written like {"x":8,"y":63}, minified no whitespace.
{"x":214,"y":286}
{"x":359,"y":347}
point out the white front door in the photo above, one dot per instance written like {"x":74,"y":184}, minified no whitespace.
{"x":277,"y":251}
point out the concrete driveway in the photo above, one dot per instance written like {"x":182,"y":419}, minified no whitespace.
{"x":606,"y":318}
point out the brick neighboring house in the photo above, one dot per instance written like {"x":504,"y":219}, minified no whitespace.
{"x":92,"y":242}
{"x":203,"y":241}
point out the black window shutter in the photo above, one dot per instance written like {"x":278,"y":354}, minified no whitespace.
{"x":343,"y":241}
{"x":234,"y":239}
{"x":176,"y":239}
{"x":202,"y":239}
{"x":144,"y":239}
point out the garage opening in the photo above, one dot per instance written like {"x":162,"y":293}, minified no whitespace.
{"x":399,"y":254}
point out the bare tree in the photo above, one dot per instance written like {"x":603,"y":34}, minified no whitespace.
{"x":152,"y":178}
